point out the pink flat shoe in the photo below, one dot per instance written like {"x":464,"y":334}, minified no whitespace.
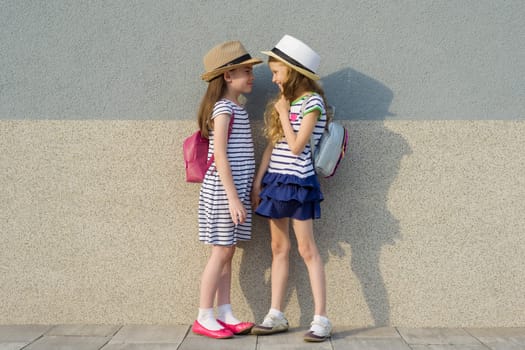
{"x":239,"y":328}
{"x":223,"y":333}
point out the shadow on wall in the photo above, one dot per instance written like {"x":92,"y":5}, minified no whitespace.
{"x":263,"y":90}
{"x":355,"y":95}
{"x":354,"y":212}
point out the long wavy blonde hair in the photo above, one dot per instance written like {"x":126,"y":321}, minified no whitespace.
{"x":296,"y":85}
{"x":215,"y":91}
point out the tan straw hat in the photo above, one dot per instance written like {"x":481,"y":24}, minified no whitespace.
{"x":297,"y":55}
{"x":225,"y":57}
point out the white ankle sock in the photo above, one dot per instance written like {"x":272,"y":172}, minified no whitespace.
{"x":207,"y":319}
{"x":225,"y":314}
{"x":276,"y":313}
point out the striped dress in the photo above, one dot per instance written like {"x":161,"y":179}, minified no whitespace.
{"x":290,"y":185}
{"x":215,"y":223}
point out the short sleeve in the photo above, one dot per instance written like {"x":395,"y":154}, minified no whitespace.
{"x":222,"y":107}
{"x":314,"y":102}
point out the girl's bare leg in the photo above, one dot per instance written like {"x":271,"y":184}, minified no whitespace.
{"x":216,"y":270}
{"x":308,"y":250}
{"x":279,"y":229}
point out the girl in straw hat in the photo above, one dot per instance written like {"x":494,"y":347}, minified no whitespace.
{"x":286,"y":188}
{"x":224,"y":199}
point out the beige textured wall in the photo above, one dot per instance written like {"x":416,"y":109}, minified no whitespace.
{"x":422,"y":226}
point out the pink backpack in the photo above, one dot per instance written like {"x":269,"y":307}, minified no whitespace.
{"x":195,"y":151}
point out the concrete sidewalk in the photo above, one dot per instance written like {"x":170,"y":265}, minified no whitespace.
{"x":147,"y":337}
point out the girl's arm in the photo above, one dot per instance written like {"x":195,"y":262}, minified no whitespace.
{"x":221,"y":126}
{"x":257,"y":181}
{"x":296,"y":141}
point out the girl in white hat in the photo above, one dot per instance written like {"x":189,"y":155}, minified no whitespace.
{"x":286,"y":189}
{"x":224,"y":199}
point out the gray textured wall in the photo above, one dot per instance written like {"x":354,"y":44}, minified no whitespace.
{"x":422,"y":226}
{"x":142,"y":60}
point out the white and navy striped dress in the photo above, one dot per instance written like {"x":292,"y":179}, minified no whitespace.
{"x":215,"y":223}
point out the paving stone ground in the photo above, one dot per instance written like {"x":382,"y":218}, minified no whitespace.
{"x":180,"y":337}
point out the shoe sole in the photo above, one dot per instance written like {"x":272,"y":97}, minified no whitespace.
{"x":264,"y":331}
{"x":212,"y":336}
{"x":315,"y":340}
{"x":312,"y":338}
{"x":244,"y":332}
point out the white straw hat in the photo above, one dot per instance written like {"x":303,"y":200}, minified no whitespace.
{"x":296,"y":54}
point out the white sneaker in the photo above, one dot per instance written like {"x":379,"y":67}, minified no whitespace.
{"x":319,"y":331}
{"x":271,"y":325}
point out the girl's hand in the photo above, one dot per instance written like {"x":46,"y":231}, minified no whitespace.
{"x":256,"y":200}
{"x":282,"y":106}
{"x":237,"y":211}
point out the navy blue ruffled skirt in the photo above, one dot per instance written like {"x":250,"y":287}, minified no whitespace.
{"x":289,"y":196}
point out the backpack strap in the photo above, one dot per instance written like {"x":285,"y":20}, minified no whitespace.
{"x":312,"y":140}
{"x":230,"y":128}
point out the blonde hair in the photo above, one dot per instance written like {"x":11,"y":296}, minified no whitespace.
{"x":215,"y":91}
{"x":295,"y":85}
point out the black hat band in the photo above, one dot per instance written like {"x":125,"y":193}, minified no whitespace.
{"x":289,"y":59}
{"x":237,"y":61}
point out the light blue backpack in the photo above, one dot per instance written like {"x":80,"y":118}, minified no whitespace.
{"x":331,"y":148}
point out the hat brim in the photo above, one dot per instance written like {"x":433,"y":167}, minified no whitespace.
{"x":303,"y":71}
{"x":216,"y":72}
